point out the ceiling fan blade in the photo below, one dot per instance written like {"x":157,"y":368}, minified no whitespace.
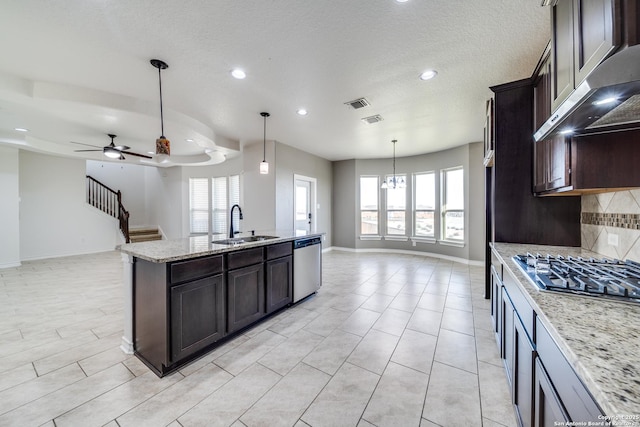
{"x":82,"y":143}
{"x":136,"y":154}
{"x":79,"y":151}
{"x":121,"y":147}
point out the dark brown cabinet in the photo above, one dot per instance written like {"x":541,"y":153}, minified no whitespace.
{"x":279,"y":276}
{"x":279,"y":283}
{"x":587,"y":164}
{"x":523,"y":356}
{"x":245,"y":296}
{"x":548,"y":409}
{"x":197,"y":315}
{"x":552,"y":170}
{"x":542,"y":89}
{"x":562,"y":74}
{"x":583,"y":34}
{"x":514,"y":207}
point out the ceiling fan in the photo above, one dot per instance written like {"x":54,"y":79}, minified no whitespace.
{"x":112,"y":151}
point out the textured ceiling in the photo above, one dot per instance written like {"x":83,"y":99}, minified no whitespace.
{"x":78,"y":69}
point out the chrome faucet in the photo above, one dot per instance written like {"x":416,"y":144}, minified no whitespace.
{"x":231,"y":232}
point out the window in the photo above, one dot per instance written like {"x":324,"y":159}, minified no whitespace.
{"x":396,"y":207}
{"x":198,"y":205}
{"x":424,"y":204}
{"x":453,"y":204}
{"x":369,"y":189}
{"x":219,"y":207}
{"x":223,"y":192}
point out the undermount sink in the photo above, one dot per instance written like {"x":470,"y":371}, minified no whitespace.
{"x":240,"y":240}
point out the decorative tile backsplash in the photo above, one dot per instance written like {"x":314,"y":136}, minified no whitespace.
{"x":610,"y":224}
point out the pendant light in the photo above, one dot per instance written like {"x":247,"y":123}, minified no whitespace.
{"x":393,"y":181}
{"x":264,"y":166}
{"x":163,"y":145}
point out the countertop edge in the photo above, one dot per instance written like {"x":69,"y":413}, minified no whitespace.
{"x":142,"y":250}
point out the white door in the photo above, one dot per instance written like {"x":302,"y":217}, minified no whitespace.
{"x":304,"y":203}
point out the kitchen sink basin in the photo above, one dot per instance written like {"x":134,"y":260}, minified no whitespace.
{"x":240,"y":240}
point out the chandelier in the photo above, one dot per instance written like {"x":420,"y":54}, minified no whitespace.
{"x":393,"y":181}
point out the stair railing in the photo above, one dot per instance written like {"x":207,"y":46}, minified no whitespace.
{"x":108,"y":201}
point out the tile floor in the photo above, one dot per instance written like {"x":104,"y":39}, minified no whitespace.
{"x":389,"y":340}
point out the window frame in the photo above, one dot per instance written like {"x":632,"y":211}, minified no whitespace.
{"x":232,"y":196}
{"x":376,"y":210}
{"x":444,"y":209}
{"x":415,"y":210}
{"x":388,"y":234}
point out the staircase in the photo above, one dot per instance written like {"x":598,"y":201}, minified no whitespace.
{"x":110,"y":202}
{"x":146,"y":234}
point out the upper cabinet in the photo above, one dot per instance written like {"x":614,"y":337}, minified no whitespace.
{"x":542,"y":89}
{"x":583,"y":34}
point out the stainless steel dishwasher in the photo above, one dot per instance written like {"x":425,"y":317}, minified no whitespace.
{"x":307,"y":267}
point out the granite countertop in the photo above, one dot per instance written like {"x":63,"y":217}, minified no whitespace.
{"x":192,"y":247}
{"x":600,"y":338}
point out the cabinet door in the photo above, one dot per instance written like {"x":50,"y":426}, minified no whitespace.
{"x":548,"y":409}
{"x":245,"y":296}
{"x":595,"y":33}
{"x":559,"y":164}
{"x":542,"y":91}
{"x":507,"y":335}
{"x":562,"y":69}
{"x":496,"y":306}
{"x":540,"y":166}
{"x":523,"y":374}
{"x":197,"y":315}
{"x":279,"y":283}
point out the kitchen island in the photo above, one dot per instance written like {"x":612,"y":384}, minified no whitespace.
{"x":188,"y":295}
{"x":597,"y":338}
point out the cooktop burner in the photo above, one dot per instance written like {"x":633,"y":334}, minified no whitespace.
{"x":604,"y":277}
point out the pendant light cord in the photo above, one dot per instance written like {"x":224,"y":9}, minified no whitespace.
{"x":264,"y":140}
{"x":161,"y":112}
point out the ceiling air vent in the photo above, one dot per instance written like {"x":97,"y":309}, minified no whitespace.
{"x":357,"y":103}
{"x":372,"y":119}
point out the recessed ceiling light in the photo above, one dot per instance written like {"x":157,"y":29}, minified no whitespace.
{"x":428,"y":75}
{"x":302,"y":112}
{"x":151,"y":152}
{"x":238,"y":73}
{"x":402,"y":1}
{"x":189,"y":140}
{"x":21,"y":129}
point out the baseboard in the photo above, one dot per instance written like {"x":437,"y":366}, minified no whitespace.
{"x":10,"y":265}
{"x":64,"y":255}
{"x":407,"y":252}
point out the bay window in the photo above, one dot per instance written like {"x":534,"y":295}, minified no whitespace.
{"x":452,"y":210}
{"x":424,"y":204}
{"x":369,"y":191}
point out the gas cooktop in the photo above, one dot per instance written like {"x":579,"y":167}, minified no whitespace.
{"x":606,"y":278}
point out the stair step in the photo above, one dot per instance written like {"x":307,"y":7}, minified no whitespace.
{"x":144,"y":234}
{"x":144,"y":237}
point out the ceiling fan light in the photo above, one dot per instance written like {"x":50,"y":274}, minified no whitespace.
{"x":112,"y":153}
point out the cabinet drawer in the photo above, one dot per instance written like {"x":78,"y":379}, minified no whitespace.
{"x":571,"y":392}
{"x":279,"y":250}
{"x":244,"y":258}
{"x":496,"y":264}
{"x":520,"y":303}
{"x":196,"y":268}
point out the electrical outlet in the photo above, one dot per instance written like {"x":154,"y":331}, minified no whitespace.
{"x":612,"y":239}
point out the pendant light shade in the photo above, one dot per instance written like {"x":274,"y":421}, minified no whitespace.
{"x":163,"y":145}
{"x":393,"y":181}
{"x":264,"y":166}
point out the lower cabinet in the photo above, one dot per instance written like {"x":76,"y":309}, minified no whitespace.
{"x":548,"y":411}
{"x":523,"y":356}
{"x":197,"y":315}
{"x":245,"y":296}
{"x":279,"y":274}
{"x":545,"y":389}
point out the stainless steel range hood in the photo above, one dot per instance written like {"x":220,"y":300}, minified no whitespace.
{"x":607,"y":100}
